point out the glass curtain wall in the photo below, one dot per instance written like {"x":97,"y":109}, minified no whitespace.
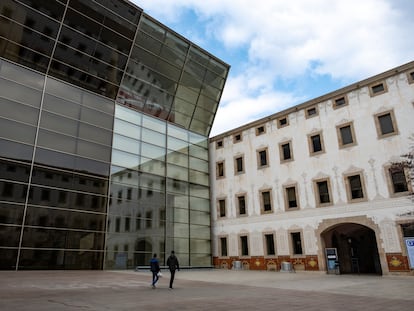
{"x":159,"y":197}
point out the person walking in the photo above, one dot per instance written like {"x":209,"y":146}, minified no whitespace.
{"x":172,"y":263}
{"x":155,"y":269}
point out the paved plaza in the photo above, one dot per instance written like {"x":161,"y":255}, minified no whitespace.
{"x":203,"y":290}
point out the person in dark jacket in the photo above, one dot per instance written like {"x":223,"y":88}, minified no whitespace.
{"x":172,"y":263}
{"x":155,"y":269}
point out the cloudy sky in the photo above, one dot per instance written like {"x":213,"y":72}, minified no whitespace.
{"x":283,"y":53}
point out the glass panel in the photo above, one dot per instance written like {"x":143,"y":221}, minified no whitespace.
{"x":19,"y":93}
{"x":126,"y":144}
{"x":199,"y":152}
{"x":199,"y":246}
{"x":12,"y":192}
{"x":17,"y":131}
{"x":386,"y":124}
{"x":200,"y":204}
{"x":14,"y":171}
{"x":199,"y":191}
{"x":177,"y":159}
{"x":154,"y":124}
{"x":47,"y":217}
{"x":22,"y":75}
{"x":177,"y":132}
{"x":152,"y":166}
{"x":125,"y":159}
{"x":128,"y":115}
{"x":199,"y":232}
{"x":200,"y":218}
{"x":177,"y":172}
{"x":36,"y":259}
{"x":98,"y":102}
{"x":153,"y":137}
{"x":8,"y":259}
{"x":153,"y":152}
{"x":176,"y":186}
{"x":18,"y":112}
{"x":200,"y":165}
{"x":199,"y":178}
{"x":177,"y":145}
{"x":11,"y":214}
{"x":9,"y":237}
{"x":127,"y":129}
{"x":180,"y":215}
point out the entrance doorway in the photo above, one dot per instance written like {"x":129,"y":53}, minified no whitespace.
{"x":356,"y":247}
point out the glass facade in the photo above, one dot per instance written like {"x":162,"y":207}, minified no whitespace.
{"x":103,"y":137}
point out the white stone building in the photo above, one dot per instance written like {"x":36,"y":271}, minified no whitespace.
{"x":319,"y":178}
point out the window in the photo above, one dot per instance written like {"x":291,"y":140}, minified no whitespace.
{"x":238,"y":165}
{"x":223,"y":246}
{"x":315,"y":143}
{"x":346,"y":135}
{"x":410,"y":76}
{"x":296,"y":243}
{"x":262,"y":158}
{"x":222,"y":208}
{"x":219,"y":144}
{"x":385,"y":124}
{"x":282,"y":122}
{"x":220,"y":169}
{"x":291,"y":201}
{"x":244,"y":245}
{"x":138,"y":222}
{"x":127,"y":224}
{"x":285,"y":151}
{"x":117,"y":224}
{"x":266,"y":201}
{"x":311,"y":112}
{"x":340,"y":102}
{"x":148,"y":221}
{"x":237,"y":138}
{"x":377,"y":89}
{"x":397,"y":180}
{"x":241,"y":204}
{"x":322,"y":189}
{"x":260,"y":130}
{"x":355,"y":187}
{"x":270,"y":244}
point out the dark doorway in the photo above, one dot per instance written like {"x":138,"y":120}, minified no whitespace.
{"x":143,"y":253}
{"x":356,"y":246}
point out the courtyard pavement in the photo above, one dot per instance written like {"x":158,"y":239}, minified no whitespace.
{"x":203,"y":290}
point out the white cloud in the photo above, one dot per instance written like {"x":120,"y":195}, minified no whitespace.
{"x":286,"y":40}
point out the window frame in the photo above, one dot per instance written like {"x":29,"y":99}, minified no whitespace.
{"x":241,"y":236}
{"x":311,"y":145}
{"x":266,"y":245}
{"x":286,"y":197}
{"x":349,"y":190}
{"x":410,"y":77}
{"x":373,"y":93}
{"x":238,"y":137}
{"x":317,"y":192}
{"x":292,"y":247}
{"x":335,"y":104}
{"x":238,"y":197}
{"x":281,"y":153}
{"x":221,"y":208}
{"x":340,"y":138}
{"x":393,"y":123}
{"x":260,"y":130}
{"x":390,"y":181}
{"x":279,"y":122}
{"x":262,"y":203}
{"x":259,"y":162}
{"x":219,"y":144}
{"x":236,"y":166}
{"x":220,"y":244}
{"x":308,"y":116}
{"x":218,"y":171}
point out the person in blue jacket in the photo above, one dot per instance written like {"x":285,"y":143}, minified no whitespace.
{"x":155,"y":269}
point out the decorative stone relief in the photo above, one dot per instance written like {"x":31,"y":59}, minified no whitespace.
{"x":282,"y":242}
{"x":374,"y":177}
{"x":338,"y":188}
{"x":279,"y":207}
{"x":390,"y":237}
{"x":305,"y":186}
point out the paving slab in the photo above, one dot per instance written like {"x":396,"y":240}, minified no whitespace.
{"x":202,"y":290}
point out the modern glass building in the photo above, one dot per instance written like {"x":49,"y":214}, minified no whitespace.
{"x":104,"y":123}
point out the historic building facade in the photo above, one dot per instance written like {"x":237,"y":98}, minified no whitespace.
{"x":104,"y":124}
{"x":318,"y":186}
